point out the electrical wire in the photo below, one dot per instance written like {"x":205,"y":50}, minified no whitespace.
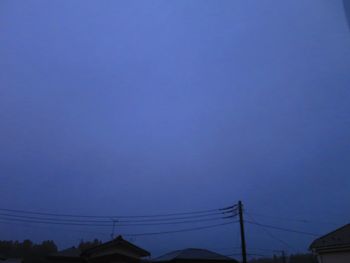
{"x":305,"y":221}
{"x":22,"y":216}
{"x":54,"y":228}
{"x":269,"y":233}
{"x":64,"y":220}
{"x":179,"y":231}
{"x":248,"y":254}
{"x":283,"y":229}
{"x":108,"y":223}
{"x":116,"y":216}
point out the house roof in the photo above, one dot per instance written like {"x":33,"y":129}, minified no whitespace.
{"x":72,"y":252}
{"x":13,"y":260}
{"x":119,"y":241}
{"x":337,"y":238}
{"x":193,"y":254}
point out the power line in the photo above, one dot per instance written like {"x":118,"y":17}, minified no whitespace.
{"x":117,"y":216}
{"x":283,"y":229}
{"x":250,"y":248}
{"x":229,"y":207}
{"x":305,"y":221}
{"x":52,"y":222}
{"x":108,"y":223}
{"x":270,"y":234}
{"x":55,"y":219}
{"x":52,"y":228}
{"x":249,"y":254}
{"x":64,"y":220}
{"x":176,"y":223}
{"x":175,"y":218}
{"x":180,"y":230}
{"x":23,"y":216}
{"x":139,"y":234}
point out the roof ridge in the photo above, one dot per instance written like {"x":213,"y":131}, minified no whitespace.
{"x":118,"y":240}
{"x":192,"y":253}
{"x":328,"y":234}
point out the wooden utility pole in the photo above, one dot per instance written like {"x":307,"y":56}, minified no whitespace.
{"x":241,"y":223}
{"x":284,"y":257}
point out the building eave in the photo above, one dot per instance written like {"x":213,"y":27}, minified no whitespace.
{"x":331,"y":249}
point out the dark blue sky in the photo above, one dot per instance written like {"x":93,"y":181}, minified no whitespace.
{"x":139,"y":107}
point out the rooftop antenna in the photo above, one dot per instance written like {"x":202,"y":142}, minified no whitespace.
{"x":114,"y":221}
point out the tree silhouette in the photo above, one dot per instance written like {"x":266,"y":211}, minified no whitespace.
{"x":27,"y":250}
{"x":89,"y":244}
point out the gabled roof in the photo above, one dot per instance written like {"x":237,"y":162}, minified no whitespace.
{"x":72,"y":252}
{"x":337,"y":238}
{"x":193,"y":254}
{"x":117,"y":242}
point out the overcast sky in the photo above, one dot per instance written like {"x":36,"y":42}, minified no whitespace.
{"x":141,"y":107}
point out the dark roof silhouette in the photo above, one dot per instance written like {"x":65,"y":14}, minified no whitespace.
{"x":119,"y":241}
{"x":193,"y":254}
{"x":72,"y":252}
{"x":337,"y":238}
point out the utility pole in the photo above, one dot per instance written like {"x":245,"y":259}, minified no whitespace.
{"x":241,"y":223}
{"x":284,"y":257}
